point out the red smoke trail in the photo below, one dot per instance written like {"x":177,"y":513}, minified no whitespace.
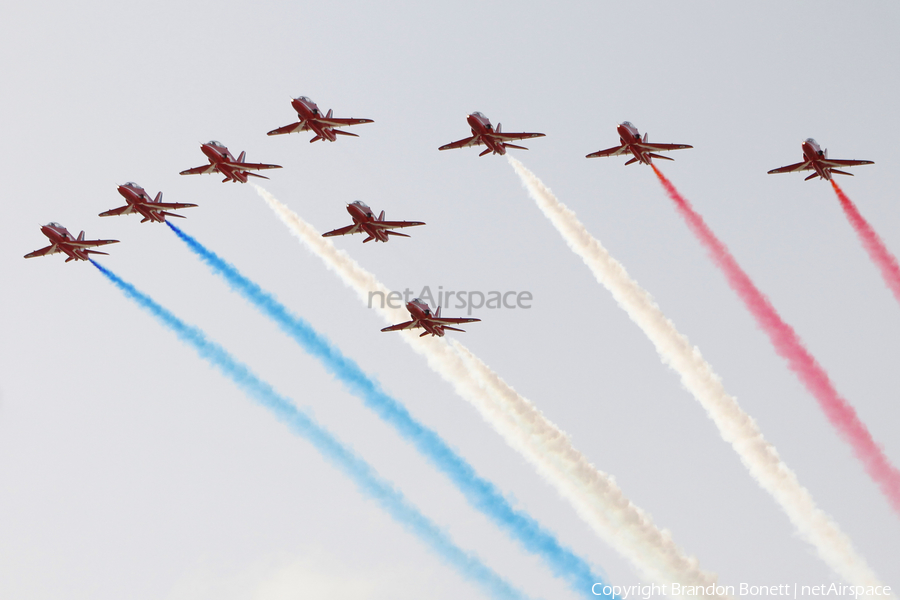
{"x":878,"y":252}
{"x":787,"y":343}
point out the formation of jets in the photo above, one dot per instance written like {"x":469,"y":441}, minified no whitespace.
{"x":326,"y":127}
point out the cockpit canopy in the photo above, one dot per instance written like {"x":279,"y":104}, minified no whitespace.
{"x":131,"y":184}
{"x":812,"y":141}
{"x":305,"y":99}
{"x":629,"y":124}
{"x":479,"y":115}
{"x":55,"y":224}
{"x":215,"y":143}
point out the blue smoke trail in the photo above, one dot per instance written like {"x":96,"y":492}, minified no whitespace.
{"x":359,"y":471}
{"x":480,"y":493}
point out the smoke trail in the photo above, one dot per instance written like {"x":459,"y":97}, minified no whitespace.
{"x":479,"y":492}
{"x":735,"y":426}
{"x":593,"y":494}
{"x":366,"y":479}
{"x":872,"y":242}
{"x":789,"y":346}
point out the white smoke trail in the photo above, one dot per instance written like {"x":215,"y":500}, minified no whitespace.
{"x":735,"y":426}
{"x":594,"y":495}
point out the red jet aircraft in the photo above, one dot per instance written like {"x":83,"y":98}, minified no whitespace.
{"x":632,"y":143}
{"x":483,"y":134}
{"x":221,"y":161}
{"x":63,"y":241}
{"x":312,"y":120}
{"x":139,"y":202}
{"x":364,"y":221}
{"x":422,"y":317}
{"x":816,"y":159}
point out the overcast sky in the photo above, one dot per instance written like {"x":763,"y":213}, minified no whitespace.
{"x":131,"y":469}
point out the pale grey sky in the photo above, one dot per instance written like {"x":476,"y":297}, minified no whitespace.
{"x":129,"y":468}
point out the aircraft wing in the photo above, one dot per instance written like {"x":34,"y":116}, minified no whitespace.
{"x":349,"y":229}
{"x":443,"y":321}
{"x":401,"y":326}
{"x":463,"y":143}
{"x":122,"y":210}
{"x":299,"y":126}
{"x":608,"y":152}
{"x":516,"y":136}
{"x":660,"y":147}
{"x":242,"y":166}
{"x":90,"y":243}
{"x":43,"y":251}
{"x":394,"y":224}
{"x":834,"y":162}
{"x":205,"y":169}
{"x":167,"y":205}
{"x":800,"y":166}
{"x":343,"y":122}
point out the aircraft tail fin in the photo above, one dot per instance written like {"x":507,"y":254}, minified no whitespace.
{"x":339,"y":132}
{"x":369,"y":239}
{"x":633,"y":160}
{"x":70,"y":259}
{"x":437,"y":313}
{"x":841,"y":172}
{"x":453,"y":328}
{"x":255,"y":175}
{"x":499,"y":128}
{"x":381,"y":216}
{"x":145,"y":219}
{"x":158,"y":198}
{"x":389,"y":232}
{"x":242,"y":156}
{"x":169,"y":214}
{"x":645,"y":137}
{"x":811,"y":176}
{"x":659,"y":156}
{"x":330,"y":112}
{"x":315,"y":139}
{"x":516,"y":147}
{"x":485,"y":152}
